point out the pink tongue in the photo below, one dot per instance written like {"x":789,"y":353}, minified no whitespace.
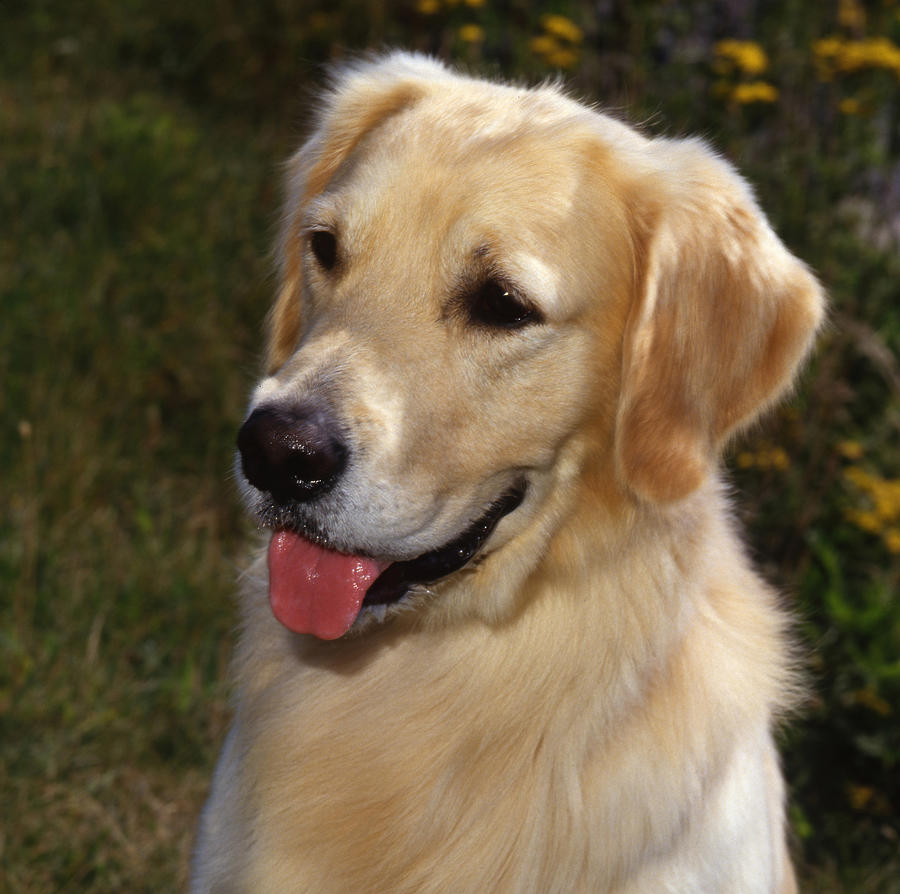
{"x":316,"y":590}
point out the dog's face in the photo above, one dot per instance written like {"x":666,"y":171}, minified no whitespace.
{"x":472,"y":302}
{"x":443,"y":337}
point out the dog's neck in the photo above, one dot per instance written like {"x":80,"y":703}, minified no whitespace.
{"x":631,"y":613}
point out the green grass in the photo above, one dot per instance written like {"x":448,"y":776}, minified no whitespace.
{"x":133,"y":282}
{"x":138,"y":192}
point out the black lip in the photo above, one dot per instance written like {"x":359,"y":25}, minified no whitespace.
{"x":393,"y":583}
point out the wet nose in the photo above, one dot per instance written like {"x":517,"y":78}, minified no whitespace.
{"x":293,"y":454}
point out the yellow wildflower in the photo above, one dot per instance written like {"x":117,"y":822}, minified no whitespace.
{"x":745,"y":55}
{"x":543,"y":45}
{"x":562,"y":28}
{"x":828,"y":48}
{"x":471,"y":33}
{"x":825,"y":52}
{"x":883,"y":512}
{"x":766,"y":458}
{"x":562,"y":58}
{"x":850,"y":105}
{"x":877,"y":52}
{"x":850,"y":449}
{"x":755,"y":91}
{"x":883,"y":494}
{"x":428,"y":7}
{"x":865,"y":521}
{"x":553,"y":52}
{"x":836,"y":56}
{"x":860,"y":796}
{"x":886,"y":500}
{"x":860,"y":477}
{"x":851,"y":14}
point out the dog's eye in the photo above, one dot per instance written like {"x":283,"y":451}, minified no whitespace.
{"x":495,"y":306}
{"x":324,"y":248}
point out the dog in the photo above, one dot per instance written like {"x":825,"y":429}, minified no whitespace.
{"x":504,"y":636}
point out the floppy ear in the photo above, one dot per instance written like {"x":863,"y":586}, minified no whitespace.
{"x":722,"y":317}
{"x":362,"y":97}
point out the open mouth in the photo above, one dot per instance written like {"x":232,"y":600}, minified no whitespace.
{"x":393,"y":583}
{"x":316,"y":590}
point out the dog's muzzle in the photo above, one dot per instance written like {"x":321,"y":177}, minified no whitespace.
{"x":297,"y":455}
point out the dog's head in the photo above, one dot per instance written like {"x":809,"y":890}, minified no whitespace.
{"x":485,"y":289}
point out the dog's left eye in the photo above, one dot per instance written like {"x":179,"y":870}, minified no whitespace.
{"x":494,"y":305}
{"x":324,"y":247}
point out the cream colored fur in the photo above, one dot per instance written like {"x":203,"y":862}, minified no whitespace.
{"x":588,"y":707}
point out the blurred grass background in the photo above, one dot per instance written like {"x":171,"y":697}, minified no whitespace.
{"x":139,"y":150}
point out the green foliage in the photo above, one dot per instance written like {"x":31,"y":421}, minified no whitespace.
{"x":138,"y":195}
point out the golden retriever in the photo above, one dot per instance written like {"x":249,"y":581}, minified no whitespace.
{"x":505,"y":637}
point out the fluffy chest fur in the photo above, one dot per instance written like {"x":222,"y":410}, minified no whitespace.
{"x":500,"y":760}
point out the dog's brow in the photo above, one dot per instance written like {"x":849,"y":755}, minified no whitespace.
{"x":523,"y":272}
{"x":318,"y":214}
{"x":311,"y":223}
{"x":535,"y":277}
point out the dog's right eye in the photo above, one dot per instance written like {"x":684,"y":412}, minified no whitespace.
{"x":324,"y":248}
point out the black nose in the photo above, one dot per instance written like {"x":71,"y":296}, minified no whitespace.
{"x":293,"y":454}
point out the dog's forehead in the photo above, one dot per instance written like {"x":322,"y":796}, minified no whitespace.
{"x":474,"y":178}
{"x":470,"y":149}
